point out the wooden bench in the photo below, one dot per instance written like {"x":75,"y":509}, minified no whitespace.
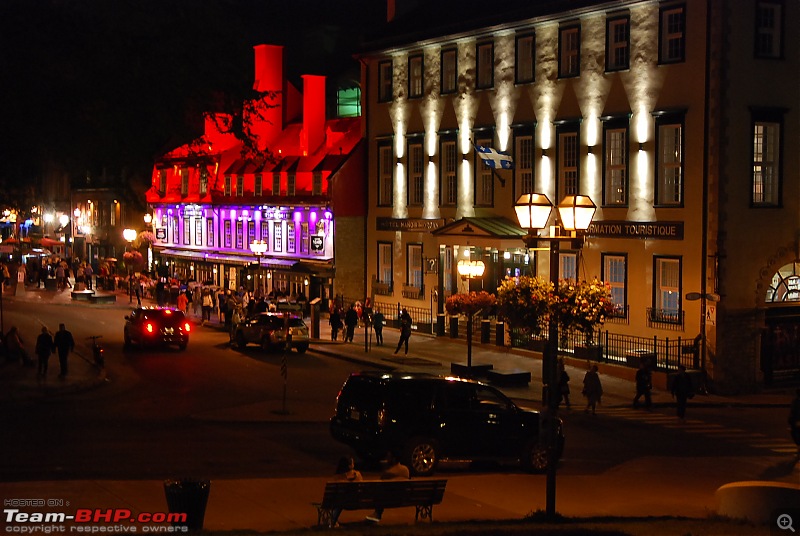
{"x":372,"y":494}
{"x":509,"y":377}
{"x":476,"y":371}
{"x":103,"y":298}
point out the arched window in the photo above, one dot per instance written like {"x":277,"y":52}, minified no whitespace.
{"x":785,"y":284}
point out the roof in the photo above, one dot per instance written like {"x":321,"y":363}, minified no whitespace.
{"x":484,"y":227}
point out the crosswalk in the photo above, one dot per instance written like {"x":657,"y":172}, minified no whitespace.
{"x":710,"y":430}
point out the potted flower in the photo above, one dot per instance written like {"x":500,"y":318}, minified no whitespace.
{"x":582,"y":306}
{"x":525,"y":303}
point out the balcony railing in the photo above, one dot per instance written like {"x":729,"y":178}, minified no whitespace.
{"x":671,"y":319}
{"x":414,"y":293}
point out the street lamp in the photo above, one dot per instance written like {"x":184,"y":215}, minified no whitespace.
{"x":130,"y":236}
{"x":259,"y":247}
{"x":469,"y":270}
{"x":576,"y":213}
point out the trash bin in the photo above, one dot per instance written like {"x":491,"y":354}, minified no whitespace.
{"x":188,"y":496}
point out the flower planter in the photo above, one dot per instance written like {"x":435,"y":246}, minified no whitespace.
{"x":537,"y":345}
{"x":591,"y":353}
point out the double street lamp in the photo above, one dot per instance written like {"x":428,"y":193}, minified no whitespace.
{"x":469,"y":270}
{"x":129,"y":235}
{"x":259,"y":247}
{"x":575,"y":213}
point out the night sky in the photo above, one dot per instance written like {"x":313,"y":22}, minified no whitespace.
{"x":94,"y":85}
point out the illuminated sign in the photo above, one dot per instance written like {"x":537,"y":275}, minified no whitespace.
{"x":408,"y":224}
{"x":664,"y":230}
{"x":317,"y":243}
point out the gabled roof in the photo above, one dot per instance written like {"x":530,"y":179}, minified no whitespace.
{"x":482,"y":227}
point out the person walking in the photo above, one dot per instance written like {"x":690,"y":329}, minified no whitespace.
{"x":682,"y":391}
{"x":394,"y":470}
{"x":207,"y":305}
{"x":378,"y":320}
{"x":197,"y":300}
{"x":350,"y":323}
{"x":563,"y":384}
{"x":794,"y":419}
{"x":644,"y":385}
{"x":183,"y":302}
{"x":405,"y":330}
{"x":335,"y":321}
{"x":44,"y":347}
{"x":592,"y":389}
{"x":15,"y":347}
{"x":65,"y":344}
{"x":87,"y":275}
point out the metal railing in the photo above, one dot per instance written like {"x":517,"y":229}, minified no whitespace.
{"x":665,"y":318}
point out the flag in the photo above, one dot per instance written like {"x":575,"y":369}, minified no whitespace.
{"x":494,"y":159}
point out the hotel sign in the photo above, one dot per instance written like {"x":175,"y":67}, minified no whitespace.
{"x":663,"y":230}
{"x":408,"y":224}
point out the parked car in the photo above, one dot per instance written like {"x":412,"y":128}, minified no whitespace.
{"x":426,"y":419}
{"x":269,"y":331}
{"x":157,"y":326}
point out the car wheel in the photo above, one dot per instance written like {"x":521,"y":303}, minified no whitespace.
{"x":241,"y":342}
{"x":301,"y":348}
{"x":182,"y":346}
{"x":535,"y":457}
{"x":422,"y":455}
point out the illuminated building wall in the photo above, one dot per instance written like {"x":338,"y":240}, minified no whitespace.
{"x":629,"y":102}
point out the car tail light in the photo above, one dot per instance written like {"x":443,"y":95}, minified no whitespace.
{"x":187,"y":328}
{"x":149,"y":327}
{"x":382,"y":417}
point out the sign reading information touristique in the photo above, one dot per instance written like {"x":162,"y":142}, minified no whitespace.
{"x":664,"y":230}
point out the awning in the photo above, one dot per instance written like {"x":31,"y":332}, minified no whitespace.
{"x":227,"y":258}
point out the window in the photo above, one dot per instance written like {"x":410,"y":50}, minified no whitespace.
{"x":618,"y":43}
{"x":162,"y":181}
{"x":569,"y":51}
{"x":615,"y":169}
{"x":277,"y":234}
{"x":416,"y":82}
{"x":316,"y":183}
{"x":414,"y":268}
{"x":203,"y":181}
{"x":416,"y":174}
{"x":385,"y":260}
{"x":184,"y":181}
{"x":304,"y":237}
{"x":524,"y":61}
{"x":449,"y":178}
{"x":669,"y":161}
{"x":484,"y":177}
{"x":227,"y":233}
{"x":258,"y":184}
{"x":766,"y":189}
{"x":276,"y":183}
{"x":385,"y":82}
{"x":251,"y":233}
{"x":291,"y":246}
{"x":667,"y":290}
{"x":769,"y":29}
{"x":210,"y":233}
{"x":449,"y":71}
{"x":198,"y":232}
{"x":672,"y":34}
{"x":567,"y":162}
{"x":187,"y":231}
{"x":239,"y":234}
{"x":485,"y":66}
{"x":448,"y":269}
{"x":523,"y":163}
{"x":615,"y":275}
{"x":227,"y":185}
{"x":291,"y":184}
{"x":568,"y":266}
{"x":240,"y":185}
{"x":265,"y":232}
{"x":385,"y":175}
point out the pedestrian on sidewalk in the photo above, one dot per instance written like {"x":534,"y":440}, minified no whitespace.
{"x":350,"y":323}
{"x":794,"y":419}
{"x":644,"y":385}
{"x":405,"y":330}
{"x":335,"y":321}
{"x":44,"y":347}
{"x":208,"y":305}
{"x":563,"y":384}
{"x":394,"y":471}
{"x":682,"y":391}
{"x":87,"y":275}
{"x":592,"y":389}
{"x":183,"y":302}
{"x":65,"y":344}
{"x":377,"y":324}
{"x":197,"y":300}
{"x":16,"y":347}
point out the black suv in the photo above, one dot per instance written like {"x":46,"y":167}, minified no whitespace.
{"x":156,"y":326}
{"x":429,"y":418}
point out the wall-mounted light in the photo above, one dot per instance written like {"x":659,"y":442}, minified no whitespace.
{"x":430,"y":159}
{"x":464,"y":157}
{"x":398,"y":161}
{"x":544,"y":153}
{"x":590,"y":149}
{"x":641,"y":146}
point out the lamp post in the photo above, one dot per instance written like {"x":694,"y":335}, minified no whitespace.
{"x":130,"y":236}
{"x":148,"y":225}
{"x":469,"y":270}
{"x":576,"y":213}
{"x":259,"y":247}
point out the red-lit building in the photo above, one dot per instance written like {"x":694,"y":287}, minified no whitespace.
{"x":212,"y":198}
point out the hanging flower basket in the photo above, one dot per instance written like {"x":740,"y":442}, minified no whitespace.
{"x":469,"y":304}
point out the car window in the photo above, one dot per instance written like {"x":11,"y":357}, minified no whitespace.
{"x":296,"y":323}
{"x":458,"y":396}
{"x":489,"y":398}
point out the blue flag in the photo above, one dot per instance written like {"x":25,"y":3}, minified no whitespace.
{"x":494,"y":159}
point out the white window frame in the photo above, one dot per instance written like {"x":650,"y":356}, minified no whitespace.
{"x":415,"y":268}
{"x":615,"y":275}
{"x":667,"y":289}
{"x":484,"y":178}
{"x":766,"y":163}
{"x":385,"y":81}
{"x":618,"y":44}
{"x":385,"y":263}
{"x":672,"y":34}
{"x":386,"y":167}
{"x":416,"y":76}
{"x":227,"y":185}
{"x":524,"y":163}
{"x":484,"y":66}
{"x":416,"y":175}
{"x":568,"y":164}
{"x":569,"y":51}
{"x":568,"y":265}
{"x":615,"y":173}
{"x":449,"y":71}
{"x":524,"y":60}
{"x":449,"y":171}
{"x":240,"y":185}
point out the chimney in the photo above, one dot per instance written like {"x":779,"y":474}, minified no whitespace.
{"x":269,"y":77}
{"x":313,"y":113}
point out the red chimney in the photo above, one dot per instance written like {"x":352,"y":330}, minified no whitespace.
{"x":269,"y":77}
{"x":313,"y":113}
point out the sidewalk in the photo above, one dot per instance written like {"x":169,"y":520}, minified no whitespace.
{"x":265,"y":504}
